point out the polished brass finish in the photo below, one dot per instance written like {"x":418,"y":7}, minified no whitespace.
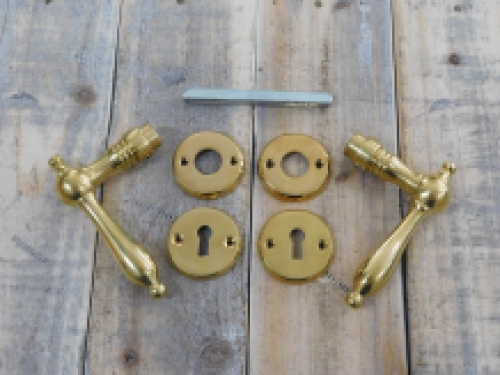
{"x":277,"y":252}
{"x":208,"y":186}
{"x":223,"y":245}
{"x":429,"y":194}
{"x":286,"y":187}
{"x":76,"y":186}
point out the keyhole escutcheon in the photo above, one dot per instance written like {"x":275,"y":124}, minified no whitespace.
{"x":297,"y":237}
{"x":204,"y":234}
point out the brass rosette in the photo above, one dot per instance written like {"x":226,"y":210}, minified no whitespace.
{"x":276,"y":246}
{"x":290,"y":188}
{"x":223,"y":244}
{"x":208,"y":186}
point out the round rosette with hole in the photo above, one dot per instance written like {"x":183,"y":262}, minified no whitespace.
{"x":208,"y":185}
{"x":294,"y":188}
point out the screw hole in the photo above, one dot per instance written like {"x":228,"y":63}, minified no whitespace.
{"x":233,"y":161}
{"x":322,"y":245}
{"x":230,"y":241}
{"x":270,"y":243}
{"x":269,"y":163}
{"x":178,"y":238}
{"x":184,"y":161}
{"x":319,"y":164}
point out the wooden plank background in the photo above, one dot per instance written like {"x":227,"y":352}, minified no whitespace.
{"x":308,"y":329}
{"x":420,"y":75}
{"x":56,"y":64}
{"x":448,"y":72}
{"x":200,"y":327}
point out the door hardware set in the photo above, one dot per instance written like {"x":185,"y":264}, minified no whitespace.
{"x":294,"y":246}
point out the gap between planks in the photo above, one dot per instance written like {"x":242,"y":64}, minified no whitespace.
{"x":100,"y":191}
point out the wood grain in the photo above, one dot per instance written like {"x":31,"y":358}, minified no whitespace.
{"x":448,"y":72}
{"x":73,"y":72}
{"x":56,"y":64}
{"x":344,"y":48}
{"x":200,"y":327}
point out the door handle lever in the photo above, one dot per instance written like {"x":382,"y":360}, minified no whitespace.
{"x":76,"y":186}
{"x":429,"y":194}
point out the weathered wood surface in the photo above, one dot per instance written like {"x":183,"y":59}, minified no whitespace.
{"x":448,"y":72}
{"x":200,"y":328}
{"x":344,"y":48}
{"x":56,"y":65}
{"x":74,"y":74}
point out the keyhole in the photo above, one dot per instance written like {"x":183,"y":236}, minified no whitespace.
{"x":297,"y":236}
{"x":204,"y":234}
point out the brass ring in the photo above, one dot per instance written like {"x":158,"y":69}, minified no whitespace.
{"x":208,"y":186}
{"x":286,"y":187}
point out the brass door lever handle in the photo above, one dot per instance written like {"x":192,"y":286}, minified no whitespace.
{"x":429,"y":193}
{"x":76,"y":186}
